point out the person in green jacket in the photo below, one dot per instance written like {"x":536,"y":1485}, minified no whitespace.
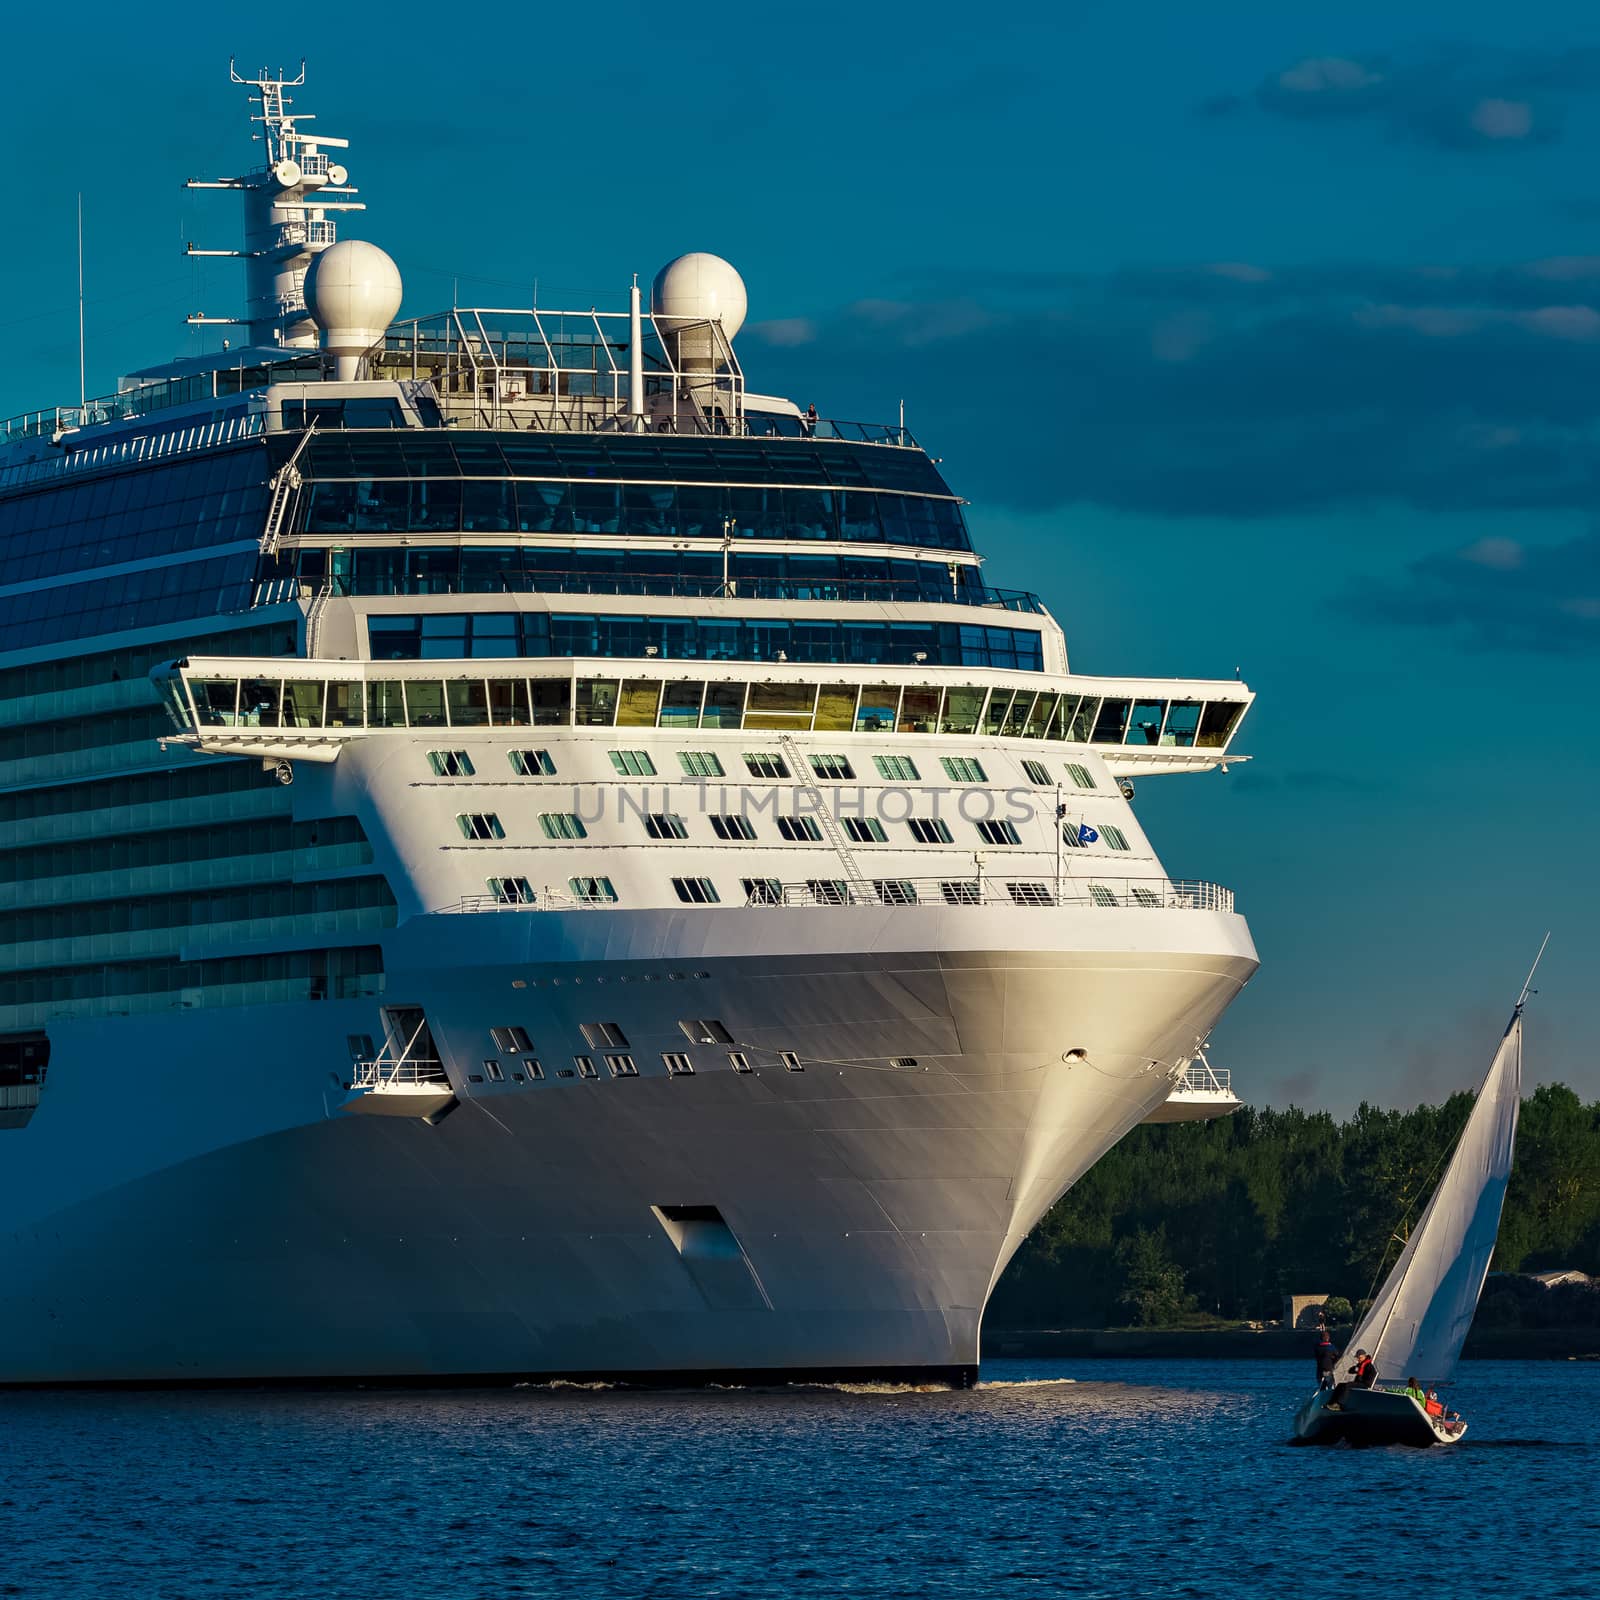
{"x":1415,"y":1391}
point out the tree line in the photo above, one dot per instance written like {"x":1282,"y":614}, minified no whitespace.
{"x":1224,"y":1218}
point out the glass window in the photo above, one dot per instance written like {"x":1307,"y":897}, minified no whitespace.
{"x":622,"y":1066}
{"x":897,"y":769}
{"x":1031,"y":894}
{"x":1101,"y":895}
{"x":960,"y":894}
{"x":1017,"y":715}
{"x":766,"y":764}
{"x":1080,"y":775}
{"x":508,"y":702}
{"x":258,"y":702}
{"x":729,"y":826}
{"x":562,"y":825}
{"x":469,"y":703}
{"x":1112,"y":722}
{"x":386,"y":707}
{"x":531,"y":763}
{"x":425,"y":703}
{"x":677,"y":1064}
{"x":997,"y":830}
{"x":596,"y":702}
{"x":724,"y":706}
{"x":999,"y":704}
{"x":1217,"y":724}
{"x":1039,"y":774}
{"x":552,"y":702}
{"x":512,"y":891}
{"x":919,"y":710}
{"x":480,"y":825}
{"x":665,"y":825}
{"x":865,"y":830}
{"x":696,"y":891}
{"x":596,"y":890}
{"x":216,"y":701}
{"x":1183,"y":721}
{"x":680,"y":704}
{"x":344,"y":705}
{"x":1114,"y":837}
{"x":929,"y":830}
{"x":1039,"y":718}
{"x":895,"y":891}
{"x":963,"y":769}
{"x":962,"y":710}
{"x":633,"y":763}
{"x":800,"y":830}
{"x":450,"y":763}
{"x":639,"y":703}
{"x":762,"y":891}
{"x":1083,"y":719}
{"x":780,"y":705}
{"x":1144,"y":726}
{"x":836,"y":708}
{"x":836,"y":767}
{"x":879,"y":710}
{"x":699,"y":764}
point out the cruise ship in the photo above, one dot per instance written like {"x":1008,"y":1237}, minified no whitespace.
{"x":526,"y":857}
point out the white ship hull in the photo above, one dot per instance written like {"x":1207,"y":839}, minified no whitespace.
{"x":191,"y":1204}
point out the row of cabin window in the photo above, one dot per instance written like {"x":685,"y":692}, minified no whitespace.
{"x":823,"y":891}
{"x":610,"y":1039}
{"x":760,"y":764}
{"x":486,"y":825}
{"x":271,"y":701}
{"x":620,"y":1064}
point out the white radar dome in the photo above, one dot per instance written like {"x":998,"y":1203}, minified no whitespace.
{"x":700,"y":287}
{"x":352,"y":291}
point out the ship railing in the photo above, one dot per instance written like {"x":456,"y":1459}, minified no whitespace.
{"x":700,"y":586}
{"x":998,"y":888}
{"x":383,"y":1074}
{"x":542,"y":898}
{"x":158,"y":446}
{"x":1200,"y":1077}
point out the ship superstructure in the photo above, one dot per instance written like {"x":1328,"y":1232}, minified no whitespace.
{"x":524,"y":857}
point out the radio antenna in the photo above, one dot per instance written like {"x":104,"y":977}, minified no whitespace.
{"x":83,"y":392}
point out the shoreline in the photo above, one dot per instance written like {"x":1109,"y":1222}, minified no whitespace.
{"x":1269,"y":1344}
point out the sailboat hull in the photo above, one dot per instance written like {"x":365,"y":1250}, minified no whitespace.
{"x":1371,"y":1416}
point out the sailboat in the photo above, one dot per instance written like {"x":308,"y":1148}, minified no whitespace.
{"x":1419,"y":1320}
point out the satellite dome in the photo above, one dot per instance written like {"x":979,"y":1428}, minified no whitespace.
{"x":700,"y":287}
{"x":352,"y":291}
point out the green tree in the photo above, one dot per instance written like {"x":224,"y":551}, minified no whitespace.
{"x":1152,"y":1282}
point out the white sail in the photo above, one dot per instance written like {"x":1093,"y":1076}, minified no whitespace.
{"x":1419,"y":1321}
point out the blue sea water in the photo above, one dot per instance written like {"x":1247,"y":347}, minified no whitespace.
{"x":1087,"y":1478}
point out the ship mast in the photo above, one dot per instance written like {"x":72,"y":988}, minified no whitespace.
{"x":287,"y":221}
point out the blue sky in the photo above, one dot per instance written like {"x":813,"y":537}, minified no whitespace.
{"x":1264,"y":337}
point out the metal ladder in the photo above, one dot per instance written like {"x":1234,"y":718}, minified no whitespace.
{"x":285,"y":486}
{"x":314,"y":616}
{"x":826,"y":820}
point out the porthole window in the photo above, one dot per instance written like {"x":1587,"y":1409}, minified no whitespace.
{"x":562,"y":825}
{"x":998,"y":830}
{"x":963,"y":769}
{"x":897,"y":769}
{"x":696,"y":891}
{"x":865,"y":830}
{"x":699,"y":764}
{"x":832,"y":766}
{"x":633,"y":763}
{"x":513,"y":891}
